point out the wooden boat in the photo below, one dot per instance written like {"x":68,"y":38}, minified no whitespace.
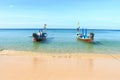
{"x":82,"y":35}
{"x":86,"y":38}
{"x":39,"y":37}
{"x":42,"y":35}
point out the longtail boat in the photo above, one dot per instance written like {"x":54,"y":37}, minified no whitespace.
{"x":83,"y":35}
{"x":42,"y":35}
{"x":86,"y":39}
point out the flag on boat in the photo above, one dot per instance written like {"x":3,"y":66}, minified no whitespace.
{"x":45,"y":26}
{"x":78,"y":24}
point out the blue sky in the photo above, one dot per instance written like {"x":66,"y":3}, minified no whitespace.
{"x":99,"y":14}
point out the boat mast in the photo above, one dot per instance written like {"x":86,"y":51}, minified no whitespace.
{"x":45,"y":27}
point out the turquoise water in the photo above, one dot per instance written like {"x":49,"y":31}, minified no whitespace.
{"x":60,"y":41}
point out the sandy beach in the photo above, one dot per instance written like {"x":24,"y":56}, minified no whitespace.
{"x":20,"y":65}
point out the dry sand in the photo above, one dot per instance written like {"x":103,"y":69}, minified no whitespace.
{"x":20,"y":65}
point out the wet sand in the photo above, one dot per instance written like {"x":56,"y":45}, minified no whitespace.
{"x":20,"y":65}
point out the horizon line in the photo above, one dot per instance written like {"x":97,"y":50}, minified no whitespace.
{"x":53,"y":28}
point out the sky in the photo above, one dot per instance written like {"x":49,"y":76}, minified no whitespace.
{"x":91,"y":14}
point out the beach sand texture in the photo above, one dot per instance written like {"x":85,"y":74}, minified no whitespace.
{"x":20,"y":65}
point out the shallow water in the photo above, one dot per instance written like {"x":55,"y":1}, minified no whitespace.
{"x":60,"y":41}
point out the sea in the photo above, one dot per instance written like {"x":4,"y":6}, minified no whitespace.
{"x":61,"y":41}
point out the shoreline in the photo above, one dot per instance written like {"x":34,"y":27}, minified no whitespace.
{"x":23,"y":65}
{"x":69,"y":55}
